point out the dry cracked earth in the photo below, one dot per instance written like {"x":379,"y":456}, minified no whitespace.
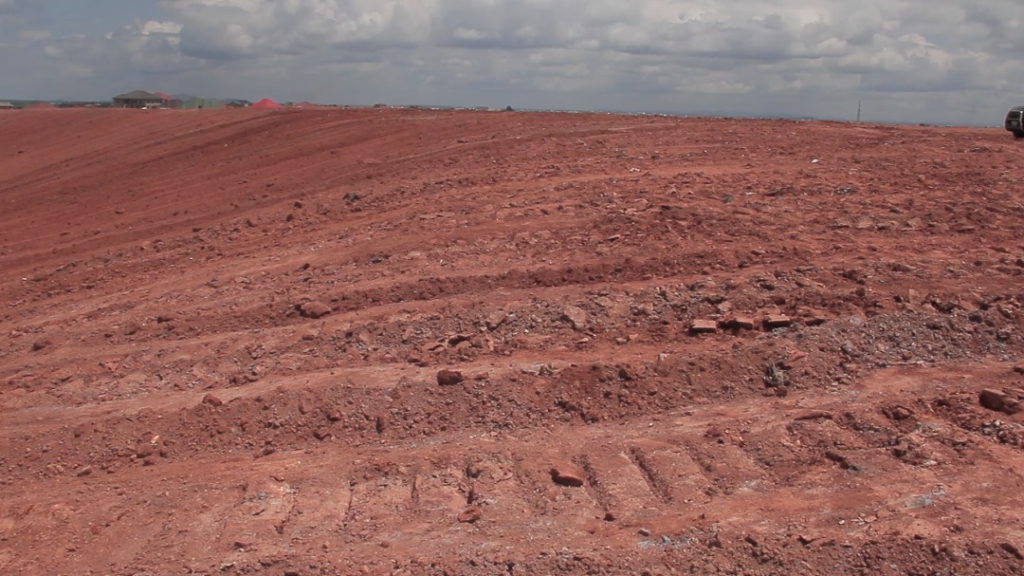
{"x":379,"y":341}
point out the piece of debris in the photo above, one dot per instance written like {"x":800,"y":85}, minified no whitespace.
{"x":314,"y":309}
{"x":470,"y":515}
{"x":494,"y":321}
{"x":567,"y":476}
{"x":775,"y":376}
{"x":576,"y":316}
{"x":211,"y":400}
{"x":739,"y":323}
{"x":703,"y":327}
{"x":898,"y":413}
{"x":816,"y":317}
{"x":449,"y":378}
{"x":998,"y":401}
{"x":815,"y":415}
{"x":843,"y":461}
{"x":1011,"y":549}
{"x":773,"y":321}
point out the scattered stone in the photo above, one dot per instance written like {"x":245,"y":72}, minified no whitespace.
{"x":212,"y":400}
{"x":470,"y":515}
{"x":775,"y":376}
{"x":576,"y":316}
{"x":164,"y":318}
{"x":40,"y":344}
{"x":899,"y":413}
{"x":567,"y":476}
{"x":796,"y":358}
{"x":816,"y":318}
{"x":703,"y":327}
{"x":815,"y":415}
{"x":739,"y":323}
{"x":449,"y":378}
{"x":1019,"y":369}
{"x":644,"y":532}
{"x":322,"y":434}
{"x":773,"y":321}
{"x":495,"y":320}
{"x":314,"y":309}
{"x":84,"y":471}
{"x":998,"y":401}
{"x":131,"y":328}
{"x":843,"y":461}
{"x":1011,"y":549}
{"x":433,"y":347}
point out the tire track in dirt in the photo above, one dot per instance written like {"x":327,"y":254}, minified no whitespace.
{"x":162,"y":398}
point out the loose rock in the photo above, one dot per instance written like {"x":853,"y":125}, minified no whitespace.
{"x":212,"y":400}
{"x":567,"y":476}
{"x":494,"y":321}
{"x":576,"y":316}
{"x":739,"y":323}
{"x":314,"y":309}
{"x":470,"y":515}
{"x":998,"y":401}
{"x":703,"y":327}
{"x":773,"y":321}
{"x":449,"y":378}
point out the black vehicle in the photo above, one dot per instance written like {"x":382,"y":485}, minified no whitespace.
{"x":1015,"y":121}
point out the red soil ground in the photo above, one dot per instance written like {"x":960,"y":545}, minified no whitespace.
{"x":221,"y":333}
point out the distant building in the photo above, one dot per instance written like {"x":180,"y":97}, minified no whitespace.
{"x":137,"y":99}
{"x":6,"y":106}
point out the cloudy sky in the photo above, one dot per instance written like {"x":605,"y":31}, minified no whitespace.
{"x":938,"y":61}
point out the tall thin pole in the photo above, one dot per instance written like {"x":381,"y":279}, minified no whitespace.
{"x":858,"y":111}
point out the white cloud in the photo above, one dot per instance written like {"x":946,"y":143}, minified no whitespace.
{"x":33,"y":35}
{"x":751,"y":56}
{"x":154,"y":27}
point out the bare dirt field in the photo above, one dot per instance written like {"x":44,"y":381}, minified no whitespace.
{"x":414,"y":342}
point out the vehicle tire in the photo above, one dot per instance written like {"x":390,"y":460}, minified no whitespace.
{"x":1018,"y":133}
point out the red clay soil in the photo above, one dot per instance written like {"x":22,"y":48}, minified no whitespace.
{"x":413,"y":342}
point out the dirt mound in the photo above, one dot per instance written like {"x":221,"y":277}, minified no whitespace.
{"x":266,"y":103}
{"x":382,"y":341}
